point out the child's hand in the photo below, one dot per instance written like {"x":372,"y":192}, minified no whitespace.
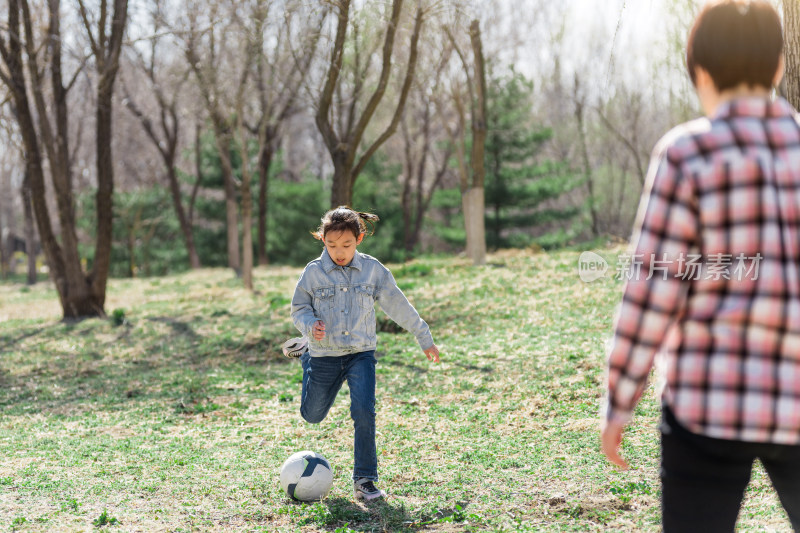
{"x":433,"y":354}
{"x":318,"y":331}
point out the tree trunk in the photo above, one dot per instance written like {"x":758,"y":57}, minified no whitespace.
{"x":80,"y":295}
{"x":247,"y":202}
{"x":264,"y":164}
{"x":198,"y":169}
{"x":132,"y":231}
{"x":474,"y":217}
{"x":105,"y":192}
{"x":473,"y":204}
{"x":587,"y":169}
{"x":30,"y":230}
{"x":107,"y":66}
{"x":247,"y":231}
{"x":223,"y":138}
{"x":183,"y":220}
{"x":34,"y":170}
{"x":405,"y":198}
{"x":80,"y":299}
{"x":341,"y":188}
{"x":231,"y":205}
{"x":6,"y":224}
{"x":791,"y":36}
{"x":5,"y":257}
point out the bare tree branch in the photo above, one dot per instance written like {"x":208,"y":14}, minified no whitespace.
{"x":627,"y":142}
{"x":145,"y":121}
{"x":78,"y":72}
{"x":463,"y":59}
{"x":5,"y":78}
{"x":386,"y":69}
{"x":54,"y":154}
{"x":358,"y":82}
{"x":3,"y":49}
{"x":303,"y":70}
{"x":323,"y":112}
{"x":88,"y":26}
{"x":409,"y":77}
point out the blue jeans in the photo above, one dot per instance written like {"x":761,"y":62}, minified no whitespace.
{"x":322,"y":379}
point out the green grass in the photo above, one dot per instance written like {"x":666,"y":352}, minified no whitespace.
{"x":176,"y":413}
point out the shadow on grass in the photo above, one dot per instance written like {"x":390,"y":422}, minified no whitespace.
{"x":178,"y":327}
{"x":487,"y":369}
{"x":334,"y":514}
{"x":414,"y":368}
{"x":9,"y":342}
{"x":57,"y":367}
{"x":382,"y":515}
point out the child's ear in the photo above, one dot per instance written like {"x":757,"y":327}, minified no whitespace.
{"x":359,"y":239}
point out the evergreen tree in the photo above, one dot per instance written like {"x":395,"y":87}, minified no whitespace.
{"x":521,"y":188}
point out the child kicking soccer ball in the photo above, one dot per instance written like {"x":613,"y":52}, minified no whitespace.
{"x":334,"y":308}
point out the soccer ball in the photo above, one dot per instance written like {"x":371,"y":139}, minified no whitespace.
{"x":306,"y":476}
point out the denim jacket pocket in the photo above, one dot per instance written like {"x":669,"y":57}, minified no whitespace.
{"x":365,"y":296}
{"x":324,"y":298}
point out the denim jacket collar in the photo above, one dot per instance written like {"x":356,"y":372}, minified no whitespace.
{"x":328,"y":264}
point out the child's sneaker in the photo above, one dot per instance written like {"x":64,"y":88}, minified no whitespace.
{"x":294,"y":348}
{"x":365,"y":489}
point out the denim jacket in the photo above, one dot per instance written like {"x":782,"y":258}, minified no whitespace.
{"x":344,"y":299}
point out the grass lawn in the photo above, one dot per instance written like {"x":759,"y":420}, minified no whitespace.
{"x":176,"y":414}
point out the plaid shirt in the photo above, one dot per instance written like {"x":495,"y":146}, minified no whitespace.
{"x":722,"y":196}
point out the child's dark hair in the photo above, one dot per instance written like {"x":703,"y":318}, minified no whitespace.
{"x":736,"y":41}
{"x":345,"y":219}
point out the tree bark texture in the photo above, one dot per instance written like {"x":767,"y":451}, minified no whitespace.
{"x":473,"y":196}
{"x":479,"y":109}
{"x":791,"y":36}
{"x":80,"y":294}
{"x":247,"y":202}
{"x":223,"y":141}
{"x":476,"y":226}
{"x":264,"y":164}
{"x":473,"y":204}
{"x":106,"y":49}
{"x":472,"y":176}
{"x":17,"y":84}
{"x":30,"y":230}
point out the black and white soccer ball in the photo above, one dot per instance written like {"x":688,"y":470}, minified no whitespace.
{"x":306,"y":476}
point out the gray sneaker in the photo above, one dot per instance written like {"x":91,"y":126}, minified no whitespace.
{"x":364,"y":489}
{"x":294,"y":348}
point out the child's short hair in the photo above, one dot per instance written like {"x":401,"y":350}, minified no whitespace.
{"x":345,"y":219}
{"x":736,"y":41}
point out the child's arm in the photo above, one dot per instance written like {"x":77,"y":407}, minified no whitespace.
{"x":303,"y":315}
{"x":395,"y":304}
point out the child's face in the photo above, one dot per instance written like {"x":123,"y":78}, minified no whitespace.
{"x":341,"y":246}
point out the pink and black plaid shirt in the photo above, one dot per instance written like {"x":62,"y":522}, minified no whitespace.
{"x":714,"y":277}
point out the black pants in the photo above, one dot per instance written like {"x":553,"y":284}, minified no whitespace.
{"x":703,"y":479}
